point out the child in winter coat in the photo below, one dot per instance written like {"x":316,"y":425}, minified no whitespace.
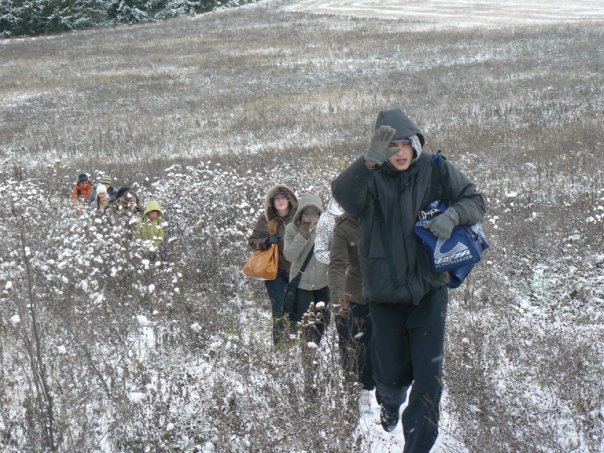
{"x":82,"y":191}
{"x":101,"y":202}
{"x":150,"y":226}
{"x":111,"y":192}
{"x":126,"y":211}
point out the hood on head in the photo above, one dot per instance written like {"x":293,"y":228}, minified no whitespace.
{"x":404,"y":127}
{"x":307,"y":199}
{"x":269,"y":209}
{"x":131,"y":193}
{"x":152,"y":205}
{"x":121,"y":192}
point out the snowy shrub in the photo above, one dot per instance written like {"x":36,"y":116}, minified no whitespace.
{"x":105,"y":346}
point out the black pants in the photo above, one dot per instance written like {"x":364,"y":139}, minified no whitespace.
{"x":407,"y":348}
{"x":313,"y":330}
{"x":354,"y":334}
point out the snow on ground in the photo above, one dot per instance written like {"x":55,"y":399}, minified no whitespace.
{"x":444,"y":14}
{"x":376,"y":440}
{"x":460,"y":13}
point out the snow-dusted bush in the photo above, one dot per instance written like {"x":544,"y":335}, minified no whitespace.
{"x":205,"y":115}
{"x":121,"y":341}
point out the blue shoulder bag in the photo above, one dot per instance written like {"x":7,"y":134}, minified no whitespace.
{"x":456,"y":255}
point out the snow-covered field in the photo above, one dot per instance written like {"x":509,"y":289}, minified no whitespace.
{"x":104,"y":349}
{"x":461,"y":13}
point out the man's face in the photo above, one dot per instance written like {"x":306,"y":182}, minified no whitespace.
{"x":404,"y":157}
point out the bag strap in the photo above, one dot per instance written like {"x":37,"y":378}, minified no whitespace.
{"x":306,"y":261}
{"x":437,"y":162}
{"x":304,"y":265}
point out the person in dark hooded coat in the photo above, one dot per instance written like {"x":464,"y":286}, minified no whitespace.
{"x":385,"y":189}
{"x":280,"y":204}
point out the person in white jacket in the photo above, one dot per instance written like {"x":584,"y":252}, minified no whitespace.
{"x":325,"y":227}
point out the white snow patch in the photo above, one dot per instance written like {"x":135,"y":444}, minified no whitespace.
{"x":142,"y":321}
{"x":429,"y":15}
{"x":136,"y":397}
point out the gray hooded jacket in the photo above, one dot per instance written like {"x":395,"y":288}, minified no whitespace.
{"x":297,"y":248}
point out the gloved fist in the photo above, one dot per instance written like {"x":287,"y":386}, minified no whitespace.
{"x":343,"y":307}
{"x":272,"y":239}
{"x":378,"y":149}
{"x":443,"y":225}
{"x":304,"y":230}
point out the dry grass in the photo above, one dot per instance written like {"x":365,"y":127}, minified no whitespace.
{"x":292,"y":97}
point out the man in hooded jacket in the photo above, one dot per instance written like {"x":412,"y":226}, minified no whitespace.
{"x":385,"y":189}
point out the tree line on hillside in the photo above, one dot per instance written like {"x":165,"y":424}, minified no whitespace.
{"x":20,"y":18}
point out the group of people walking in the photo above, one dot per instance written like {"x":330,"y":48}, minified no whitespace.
{"x":103,"y":200}
{"x":390,"y":306}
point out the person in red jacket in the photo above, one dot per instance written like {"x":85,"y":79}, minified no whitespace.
{"x":82,"y":191}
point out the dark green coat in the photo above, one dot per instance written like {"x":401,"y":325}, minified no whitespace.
{"x":401,"y":195}
{"x":344,"y":266}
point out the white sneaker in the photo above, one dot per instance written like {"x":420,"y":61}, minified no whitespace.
{"x":365,"y":402}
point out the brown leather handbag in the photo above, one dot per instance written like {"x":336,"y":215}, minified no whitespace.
{"x":263,"y":264}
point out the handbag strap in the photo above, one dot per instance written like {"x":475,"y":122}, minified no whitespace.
{"x":304,"y":265}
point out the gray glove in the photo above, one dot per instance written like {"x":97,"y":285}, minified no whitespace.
{"x":378,"y":149}
{"x":443,"y":225}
